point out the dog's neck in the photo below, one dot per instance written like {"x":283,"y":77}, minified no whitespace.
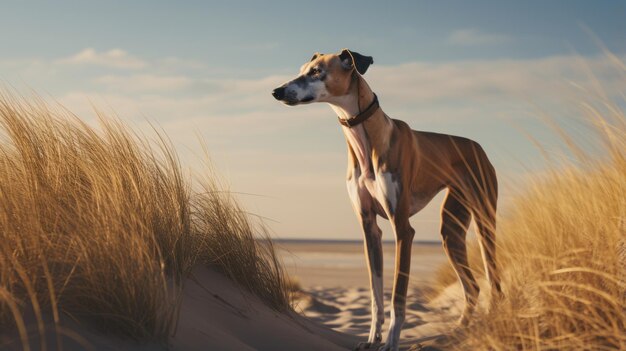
{"x":358,"y":97}
{"x":367,"y":136}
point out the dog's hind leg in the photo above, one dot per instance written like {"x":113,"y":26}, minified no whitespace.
{"x":486,"y":225}
{"x":455,"y":219}
{"x":484,"y":199}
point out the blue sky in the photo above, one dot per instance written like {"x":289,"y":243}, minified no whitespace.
{"x":248,"y":34}
{"x":480,"y":69}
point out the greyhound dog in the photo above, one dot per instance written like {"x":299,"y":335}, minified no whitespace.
{"x":393,"y":172}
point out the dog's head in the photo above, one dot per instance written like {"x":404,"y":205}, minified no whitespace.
{"x":324,"y":77}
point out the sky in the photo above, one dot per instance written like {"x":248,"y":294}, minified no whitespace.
{"x":203,"y":71}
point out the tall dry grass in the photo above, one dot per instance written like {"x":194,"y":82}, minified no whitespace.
{"x":103,"y":226}
{"x":227,"y":242}
{"x":561,"y":249}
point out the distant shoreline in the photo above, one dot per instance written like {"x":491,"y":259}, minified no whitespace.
{"x":344,"y":241}
{"x":342,"y":263}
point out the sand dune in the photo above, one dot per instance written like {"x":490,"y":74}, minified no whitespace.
{"x":216,"y":314}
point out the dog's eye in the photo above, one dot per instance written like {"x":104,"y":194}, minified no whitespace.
{"x":313,"y":71}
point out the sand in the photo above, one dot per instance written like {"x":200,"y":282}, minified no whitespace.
{"x":335,"y":291}
{"x":215,"y":314}
{"x":332,"y":312}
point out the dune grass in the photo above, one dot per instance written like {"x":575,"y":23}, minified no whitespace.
{"x":103,"y":226}
{"x":562,"y":250}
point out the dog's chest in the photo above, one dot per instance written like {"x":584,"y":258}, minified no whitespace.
{"x":380,"y":194}
{"x":360,"y":145}
{"x":378,"y":189}
{"x":371,"y":187}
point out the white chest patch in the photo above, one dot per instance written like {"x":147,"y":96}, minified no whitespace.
{"x":378,"y":193}
{"x":388,"y":191}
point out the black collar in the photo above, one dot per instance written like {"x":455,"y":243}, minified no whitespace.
{"x":361,"y":117}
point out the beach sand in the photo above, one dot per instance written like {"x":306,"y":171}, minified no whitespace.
{"x":335,"y":290}
{"x":215,"y":314}
{"x":332,"y":310}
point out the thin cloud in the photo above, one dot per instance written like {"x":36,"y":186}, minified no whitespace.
{"x":116,"y":58}
{"x":475,"y":37}
{"x":144,"y":82}
{"x":177,"y":64}
{"x":491,"y":79}
{"x":450,"y":91}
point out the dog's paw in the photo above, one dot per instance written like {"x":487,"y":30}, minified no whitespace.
{"x":387,"y":347}
{"x":366,"y":346}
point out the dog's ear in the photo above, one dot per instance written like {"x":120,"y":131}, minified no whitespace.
{"x":315,"y":55}
{"x":352,"y":59}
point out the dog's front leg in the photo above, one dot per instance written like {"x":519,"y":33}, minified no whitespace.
{"x":404,"y":241}
{"x":362,"y":203}
{"x":374,"y":250}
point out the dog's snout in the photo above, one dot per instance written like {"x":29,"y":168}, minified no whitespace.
{"x":279,"y":93}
